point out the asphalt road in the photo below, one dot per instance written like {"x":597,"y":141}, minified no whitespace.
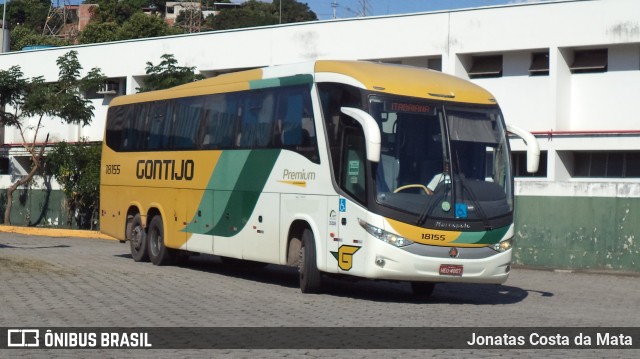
{"x":86,"y":282}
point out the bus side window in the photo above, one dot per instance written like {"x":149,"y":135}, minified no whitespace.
{"x":156,"y":131}
{"x":134,"y":124}
{"x":294,"y":128}
{"x":186,"y":121}
{"x":256,"y":122}
{"x":115,"y":122}
{"x":292,"y":121}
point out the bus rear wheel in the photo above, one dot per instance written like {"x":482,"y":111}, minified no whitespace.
{"x":138,"y":240}
{"x":310,"y":276}
{"x":158,"y":252}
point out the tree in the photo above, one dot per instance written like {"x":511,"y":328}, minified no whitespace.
{"x":31,"y":14}
{"x":76,"y":167}
{"x":22,"y":36}
{"x":251,"y":13}
{"x":26,"y":103}
{"x":96,"y":32}
{"x":141,"y":25}
{"x":116,"y":11}
{"x":166,"y":74}
{"x":255,"y":13}
{"x":293,"y":11}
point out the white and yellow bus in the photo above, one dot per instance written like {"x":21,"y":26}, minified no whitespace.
{"x":336,"y":167}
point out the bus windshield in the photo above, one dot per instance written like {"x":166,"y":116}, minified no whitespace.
{"x":441,"y":161}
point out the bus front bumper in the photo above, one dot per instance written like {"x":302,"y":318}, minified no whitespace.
{"x":384,"y":261}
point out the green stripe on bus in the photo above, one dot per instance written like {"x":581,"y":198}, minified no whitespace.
{"x":488,"y":237}
{"x":280,"y":81}
{"x":233,"y":191}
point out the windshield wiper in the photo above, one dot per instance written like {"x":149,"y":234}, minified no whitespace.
{"x":434,"y":201}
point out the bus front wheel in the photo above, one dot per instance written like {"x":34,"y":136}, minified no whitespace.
{"x":158,"y":252}
{"x":310,"y":276}
{"x":138,"y":240}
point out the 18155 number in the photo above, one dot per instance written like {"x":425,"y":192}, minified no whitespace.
{"x":112,"y":169}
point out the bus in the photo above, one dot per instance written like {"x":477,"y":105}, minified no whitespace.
{"x":348,"y":168}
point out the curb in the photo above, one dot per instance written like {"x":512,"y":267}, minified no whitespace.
{"x":54,"y":232}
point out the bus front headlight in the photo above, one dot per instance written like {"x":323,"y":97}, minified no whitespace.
{"x":387,"y":237}
{"x":503,"y":246}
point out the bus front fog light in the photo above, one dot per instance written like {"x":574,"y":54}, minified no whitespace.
{"x":380,"y":262}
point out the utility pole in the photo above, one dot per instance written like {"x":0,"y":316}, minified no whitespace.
{"x":4,"y":24}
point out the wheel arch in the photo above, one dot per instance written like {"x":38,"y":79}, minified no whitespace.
{"x":134,"y":208}
{"x":295,"y":230}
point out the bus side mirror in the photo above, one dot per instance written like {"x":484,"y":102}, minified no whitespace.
{"x":533,"y":149}
{"x":371,"y":130}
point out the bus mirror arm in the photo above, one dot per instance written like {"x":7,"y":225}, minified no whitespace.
{"x":371,"y":130}
{"x":533,"y":149}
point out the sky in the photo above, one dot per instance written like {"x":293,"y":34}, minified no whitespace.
{"x":350,"y":8}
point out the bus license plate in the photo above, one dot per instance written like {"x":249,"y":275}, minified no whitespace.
{"x":451,"y":269}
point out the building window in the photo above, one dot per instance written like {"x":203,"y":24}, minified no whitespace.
{"x":588,"y":61}
{"x":486,"y":66}
{"x":435,"y":63}
{"x":4,"y":165}
{"x":519,"y":165}
{"x":539,"y":64}
{"x":614,"y":164}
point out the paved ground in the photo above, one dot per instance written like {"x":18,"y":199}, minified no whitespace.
{"x":88,"y":282}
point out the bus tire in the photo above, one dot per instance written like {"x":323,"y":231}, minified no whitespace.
{"x":158,"y":253}
{"x":423,"y":289}
{"x":138,"y":240}
{"x":310,"y":276}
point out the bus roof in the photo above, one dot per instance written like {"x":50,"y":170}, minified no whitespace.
{"x":408,"y":81}
{"x":379,"y":77}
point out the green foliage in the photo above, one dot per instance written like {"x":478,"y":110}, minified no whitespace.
{"x":141,"y":26}
{"x":31,"y":14}
{"x":116,"y":11}
{"x":293,"y":11}
{"x":134,"y":25}
{"x":166,"y":74}
{"x":37,"y":100}
{"x":255,"y":13}
{"x":23,"y":36}
{"x":76,"y":167}
{"x":12,"y":91}
{"x":96,"y":32}
{"x":252,"y":13}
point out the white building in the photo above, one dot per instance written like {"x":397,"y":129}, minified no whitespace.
{"x":567,"y":70}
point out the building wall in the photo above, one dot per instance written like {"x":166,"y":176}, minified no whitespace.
{"x":570,"y":113}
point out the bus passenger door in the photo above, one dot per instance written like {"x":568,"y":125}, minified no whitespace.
{"x":352,"y":180}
